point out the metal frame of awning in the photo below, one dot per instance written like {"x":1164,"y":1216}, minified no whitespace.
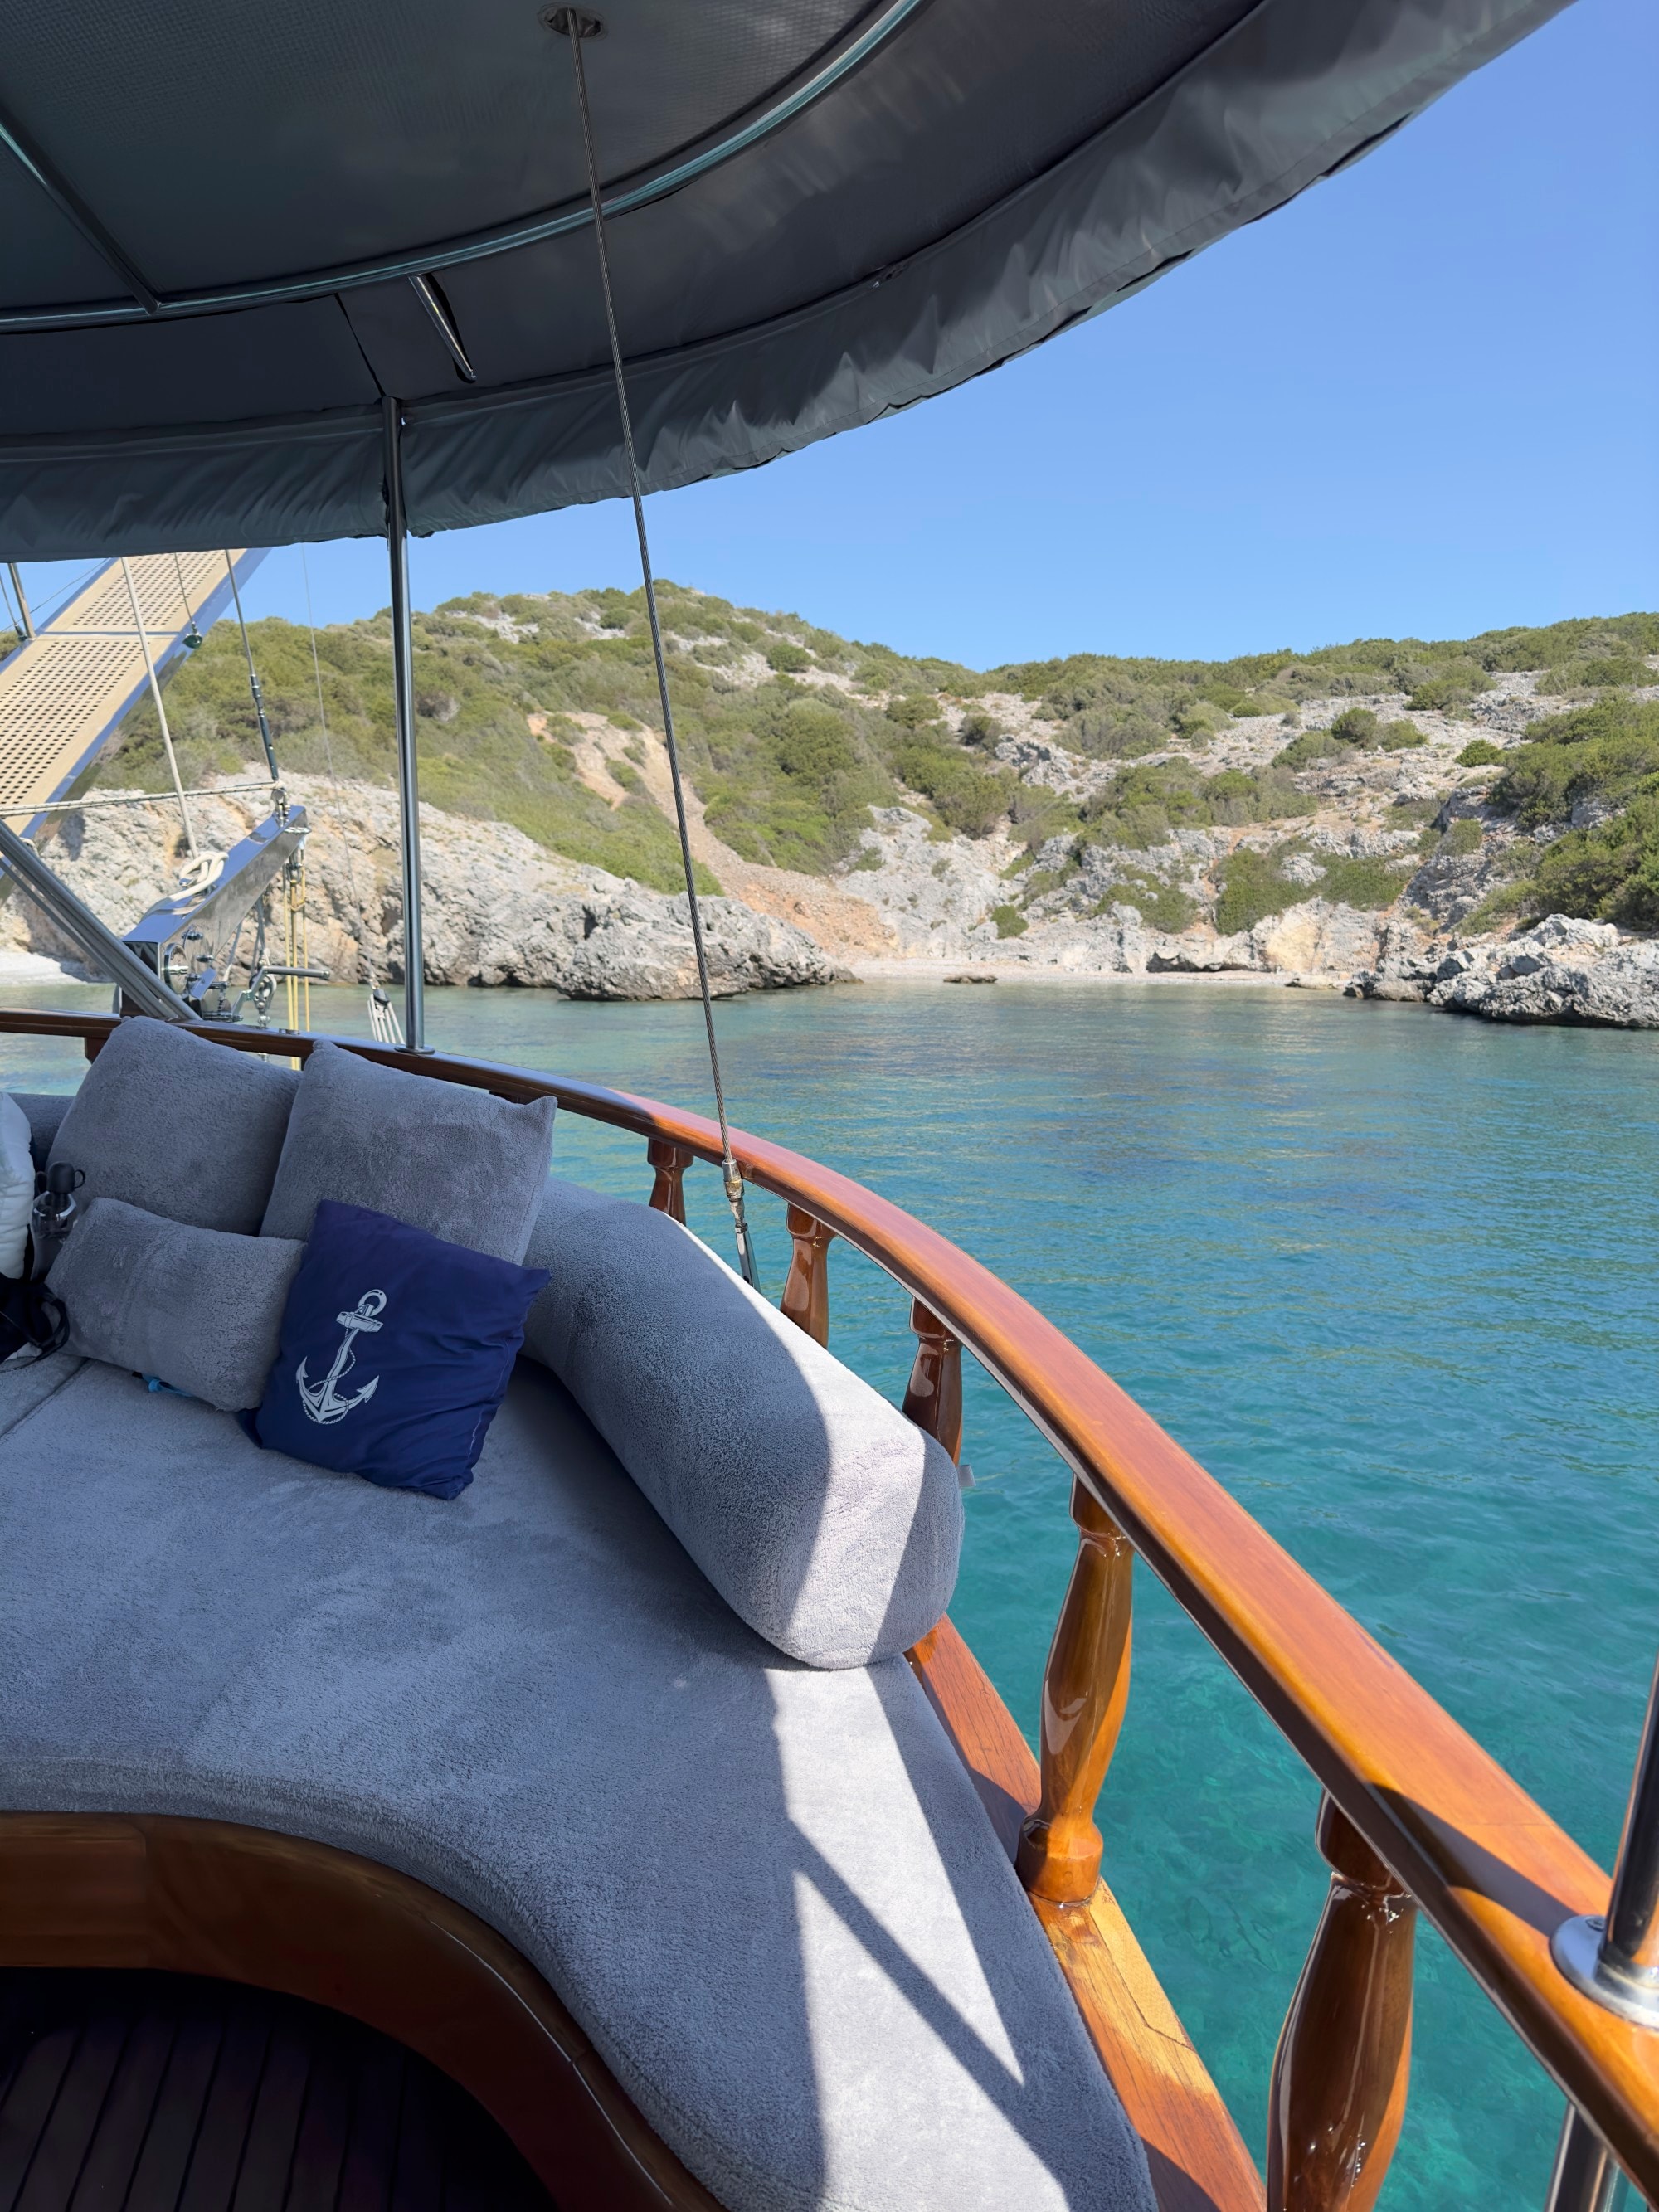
{"x":146,"y":303}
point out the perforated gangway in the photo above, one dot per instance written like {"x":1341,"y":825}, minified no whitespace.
{"x":65,"y":691}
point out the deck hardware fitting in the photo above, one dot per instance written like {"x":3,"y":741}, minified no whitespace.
{"x":1615,"y":1958}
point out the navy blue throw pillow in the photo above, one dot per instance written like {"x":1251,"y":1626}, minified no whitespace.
{"x":396,"y":1349}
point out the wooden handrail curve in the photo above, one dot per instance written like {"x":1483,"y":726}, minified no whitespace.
{"x":1488,"y":1867}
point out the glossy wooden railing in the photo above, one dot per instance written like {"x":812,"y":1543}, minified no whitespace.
{"x":1415,"y":1815}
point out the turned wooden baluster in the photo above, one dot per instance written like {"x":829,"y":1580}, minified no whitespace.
{"x":806,"y":1299}
{"x":1339,"y":2073}
{"x":671,"y":1162}
{"x":1086,"y":1686}
{"x":932,"y":1398}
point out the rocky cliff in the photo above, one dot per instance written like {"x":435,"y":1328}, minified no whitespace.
{"x":498,"y":908}
{"x":1396,"y":816}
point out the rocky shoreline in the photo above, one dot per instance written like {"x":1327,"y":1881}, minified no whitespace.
{"x":501,"y":910}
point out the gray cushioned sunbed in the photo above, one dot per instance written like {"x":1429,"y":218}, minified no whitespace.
{"x":813,"y":1968}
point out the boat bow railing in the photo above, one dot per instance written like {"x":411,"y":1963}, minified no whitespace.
{"x":1415,"y":1816}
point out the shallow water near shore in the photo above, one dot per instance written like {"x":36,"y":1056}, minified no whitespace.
{"x":1389,"y":1274}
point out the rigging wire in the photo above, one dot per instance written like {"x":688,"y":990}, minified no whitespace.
{"x":253,"y":677}
{"x":142,"y":636}
{"x":12,"y":621}
{"x":382,"y":1014}
{"x":57,"y":601}
{"x":576,"y":26}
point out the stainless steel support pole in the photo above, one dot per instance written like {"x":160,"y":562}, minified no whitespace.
{"x":1585,"y":2176}
{"x":1616,"y":1960}
{"x":134,"y":978}
{"x":403,"y":685}
{"x":161,"y":710}
{"x":24,"y":615}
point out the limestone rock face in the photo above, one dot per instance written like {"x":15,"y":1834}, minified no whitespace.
{"x":1314,"y":938}
{"x":497,"y":909}
{"x":1563,"y":970}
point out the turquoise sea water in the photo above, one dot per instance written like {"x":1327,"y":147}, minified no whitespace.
{"x":1389,"y":1274}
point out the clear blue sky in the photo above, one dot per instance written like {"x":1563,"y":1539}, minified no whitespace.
{"x":1421,"y":399}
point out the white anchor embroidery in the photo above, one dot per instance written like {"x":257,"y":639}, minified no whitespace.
{"x":322,"y":1401}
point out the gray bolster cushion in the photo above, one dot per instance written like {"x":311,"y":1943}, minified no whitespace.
{"x":177,"y":1125}
{"x":456,"y":1161}
{"x":827,"y":1521}
{"x":199,"y":1307}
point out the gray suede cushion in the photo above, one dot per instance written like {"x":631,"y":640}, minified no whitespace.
{"x":45,"y":1110}
{"x":470,"y":1168}
{"x":823,"y":1516}
{"x":770,"y":1895}
{"x":199,"y":1307}
{"x":177,"y":1125}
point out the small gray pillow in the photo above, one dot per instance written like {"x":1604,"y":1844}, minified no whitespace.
{"x":827,"y":1521}
{"x":470,"y":1168}
{"x":199,"y":1307}
{"x":177,"y":1125}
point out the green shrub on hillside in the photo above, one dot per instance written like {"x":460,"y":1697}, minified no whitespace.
{"x":1558,"y":644}
{"x":1160,"y":905}
{"x":1365,"y":884}
{"x":981,"y":730}
{"x":1009,"y":921}
{"x":1197,"y":720}
{"x":1302,"y":752}
{"x":1609,"y":873}
{"x":787,"y":659}
{"x":1480,"y":752}
{"x":1251,"y":886}
{"x":1356,"y":726}
{"x":1141,"y":804}
{"x":1606,"y":751}
{"x":969,"y":798}
{"x":1445,"y":694}
{"x":812,"y":744}
{"x":1400,"y":735}
{"x":916,"y":711}
{"x":1594,"y":672}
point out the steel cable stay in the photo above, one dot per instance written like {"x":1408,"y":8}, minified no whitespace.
{"x":571,"y":23}
{"x":382,"y":1014}
{"x":253,"y":686}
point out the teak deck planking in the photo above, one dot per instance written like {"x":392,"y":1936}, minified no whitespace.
{"x":125,"y":2092}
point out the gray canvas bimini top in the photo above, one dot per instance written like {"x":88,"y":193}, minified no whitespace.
{"x":821,"y":212}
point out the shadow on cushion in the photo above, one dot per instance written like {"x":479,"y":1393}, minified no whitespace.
{"x":769,"y":1892}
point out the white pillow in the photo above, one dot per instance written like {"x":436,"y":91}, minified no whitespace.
{"x":17,"y":1184}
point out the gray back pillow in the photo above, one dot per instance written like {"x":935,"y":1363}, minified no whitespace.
{"x":827,"y":1521}
{"x":470,"y":1168}
{"x":199,"y":1307}
{"x":177,"y":1125}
